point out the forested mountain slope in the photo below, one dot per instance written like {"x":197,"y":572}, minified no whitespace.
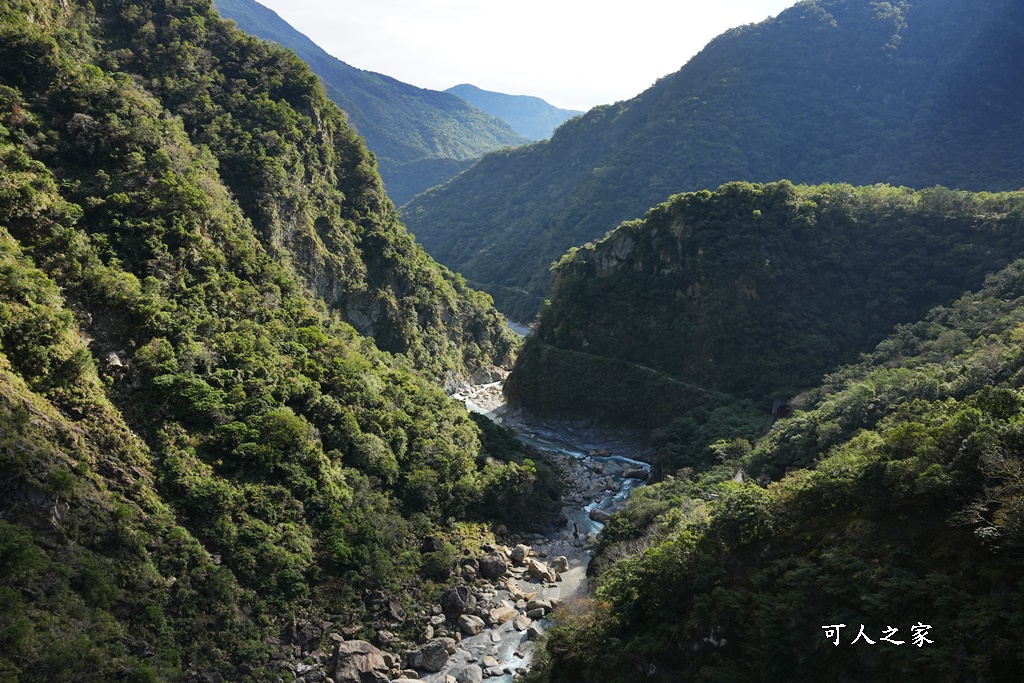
{"x":531,"y":117}
{"x":202,"y":454}
{"x":751,"y":291}
{"x":891,"y":505}
{"x":908,"y":93}
{"x":420,"y":137}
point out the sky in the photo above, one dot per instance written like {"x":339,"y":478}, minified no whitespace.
{"x":575,"y":54}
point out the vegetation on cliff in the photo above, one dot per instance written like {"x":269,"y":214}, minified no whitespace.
{"x":420,"y":137}
{"x":220,"y":356}
{"x":892,"y":500}
{"x":753,"y":291}
{"x":856,"y":91}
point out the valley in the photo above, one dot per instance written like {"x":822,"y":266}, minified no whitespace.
{"x":263,"y":415}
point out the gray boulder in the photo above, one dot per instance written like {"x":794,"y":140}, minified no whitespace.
{"x":357,"y":661}
{"x":431,"y":657}
{"x":520,"y":553}
{"x":471,"y":673}
{"x":493,"y":565}
{"x":470,"y":624}
{"x":458,"y":600}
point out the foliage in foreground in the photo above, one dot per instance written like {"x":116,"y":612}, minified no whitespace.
{"x":894,"y":498}
{"x":197,"y":440}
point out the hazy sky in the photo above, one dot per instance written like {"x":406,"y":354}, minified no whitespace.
{"x":574,"y":53}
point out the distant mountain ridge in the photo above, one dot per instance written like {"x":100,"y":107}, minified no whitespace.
{"x":420,"y":137}
{"x":531,"y":117}
{"x":914,"y":94}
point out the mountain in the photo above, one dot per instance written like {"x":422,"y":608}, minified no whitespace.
{"x":730,"y":300}
{"x":881,"y":540}
{"x":221,"y":420}
{"x":420,"y":137}
{"x":905,"y":93}
{"x":531,"y":117}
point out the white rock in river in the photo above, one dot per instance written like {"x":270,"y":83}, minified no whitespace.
{"x":470,"y":625}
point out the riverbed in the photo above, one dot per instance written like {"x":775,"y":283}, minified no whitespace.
{"x":599,"y":471}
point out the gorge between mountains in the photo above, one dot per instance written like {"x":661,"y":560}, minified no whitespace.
{"x":234,"y":436}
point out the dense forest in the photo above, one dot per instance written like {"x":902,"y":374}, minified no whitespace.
{"x":226,"y":448}
{"x":856,"y":91}
{"x":890,"y":504}
{"x":751,"y":293}
{"x":221,"y":359}
{"x":420,"y":137}
{"x":531,"y":117}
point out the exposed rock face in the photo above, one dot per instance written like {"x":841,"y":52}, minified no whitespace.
{"x":357,"y":661}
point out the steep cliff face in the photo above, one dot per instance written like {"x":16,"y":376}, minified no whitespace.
{"x":757,"y":290}
{"x":310,"y":187}
{"x":201,"y":457}
{"x":856,"y":91}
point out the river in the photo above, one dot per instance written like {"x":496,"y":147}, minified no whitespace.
{"x":594,"y":468}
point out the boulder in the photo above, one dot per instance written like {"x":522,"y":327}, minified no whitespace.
{"x":540,"y":570}
{"x":561,"y":564}
{"x":537,"y":569}
{"x":471,"y":673}
{"x":396,"y":611}
{"x":520,"y":553}
{"x":487,"y":661}
{"x":599,"y":516}
{"x":458,"y":600}
{"x":534,"y":632}
{"x":522,"y":622}
{"x":470,"y":625}
{"x":636,"y":473}
{"x":493,"y":565}
{"x":514,"y":591}
{"x":431,"y":544}
{"x":431,"y":657}
{"x":539,"y":603}
{"x":499,"y":615}
{"x":357,"y":661}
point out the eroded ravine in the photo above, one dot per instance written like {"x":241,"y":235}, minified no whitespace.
{"x":598,"y":472}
